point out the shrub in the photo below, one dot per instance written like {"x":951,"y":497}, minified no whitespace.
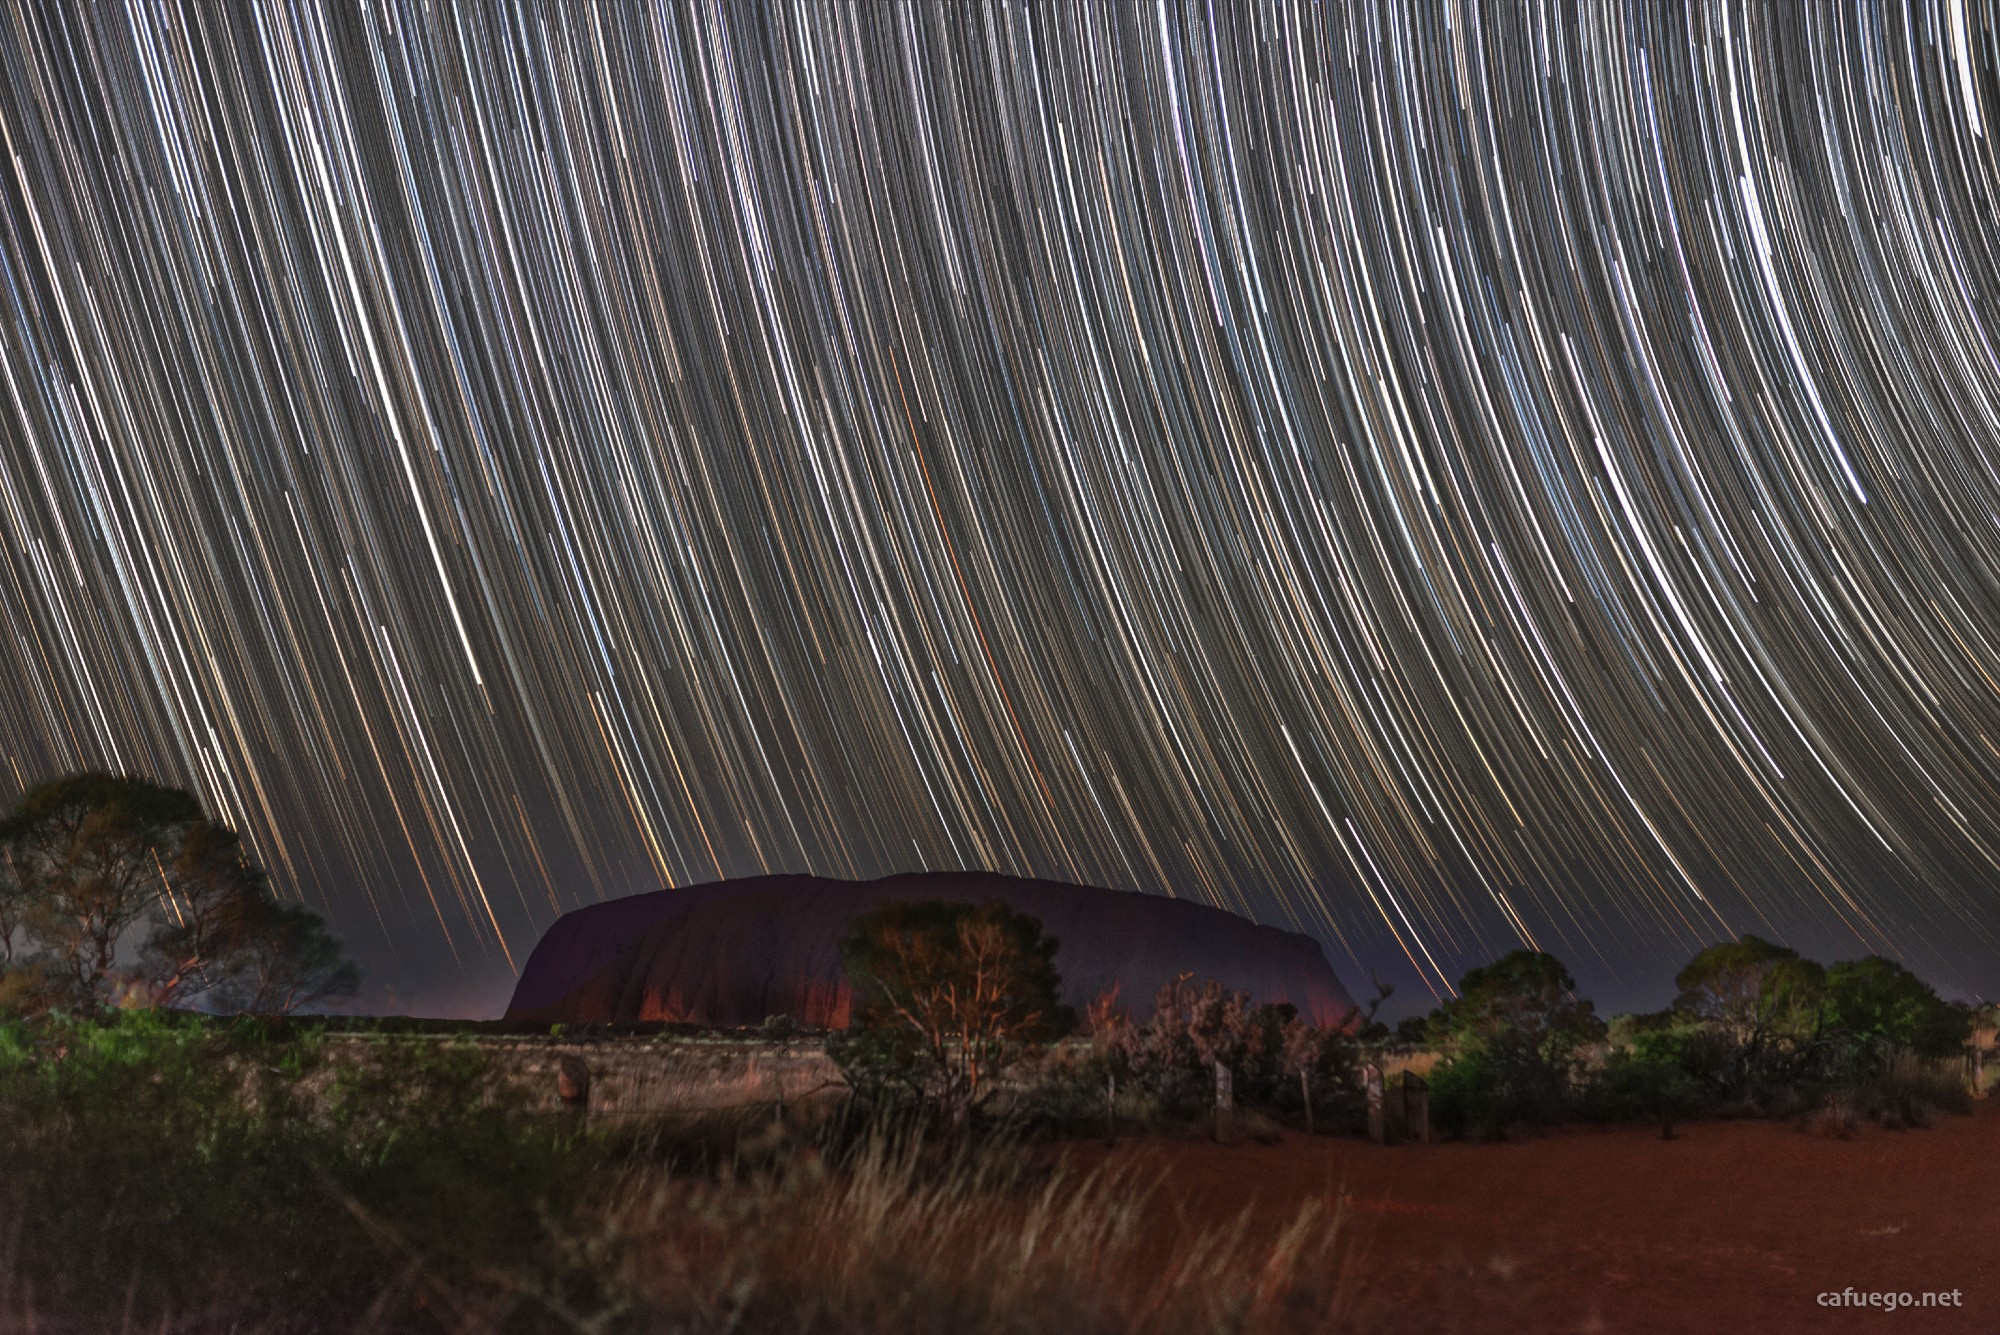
{"x":1514,"y":1041}
{"x":115,"y":889}
{"x":1170,"y":1060}
{"x":1663,"y":1074}
{"x":233,"y":1180}
{"x":1322,"y":1062}
{"x":1469,"y":1097}
{"x":1193,"y":1028}
{"x":1882,"y":1007}
{"x":1908,"y":1088}
{"x":176,"y":1175}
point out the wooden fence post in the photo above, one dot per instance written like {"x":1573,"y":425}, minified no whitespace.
{"x":1416,"y":1108}
{"x":1225,"y":1103}
{"x":1378,"y":1130}
{"x":1111,"y":1108}
{"x":573,"y":1089}
{"x":1306,"y":1093}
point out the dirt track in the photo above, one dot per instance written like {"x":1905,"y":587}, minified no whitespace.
{"x":1735,"y":1226}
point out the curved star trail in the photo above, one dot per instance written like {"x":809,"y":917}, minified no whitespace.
{"x":1437,"y":480}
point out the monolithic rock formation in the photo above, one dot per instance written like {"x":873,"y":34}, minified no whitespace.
{"x":737,"y":952}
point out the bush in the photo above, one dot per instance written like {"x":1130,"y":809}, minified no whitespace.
{"x":180,"y":1175}
{"x":1173,"y":1056}
{"x":1661,"y":1074}
{"x":1514,"y":1041}
{"x":1908,"y":1089}
{"x":1467,"y":1099}
{"x":230,"y":1179}
{"x":1882,"y":1007}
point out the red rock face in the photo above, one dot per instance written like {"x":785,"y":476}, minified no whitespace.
{"x":736,"y":952}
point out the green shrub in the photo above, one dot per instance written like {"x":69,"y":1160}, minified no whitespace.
{"x":1468,"y":1097}
{"x":1515,"y":1043}
{"x":1661,"y":1074}
{"x":227,"y":1178}
{"x":1882,"y":1007}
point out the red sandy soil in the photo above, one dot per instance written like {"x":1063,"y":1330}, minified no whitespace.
{"x":1734,"y":1226}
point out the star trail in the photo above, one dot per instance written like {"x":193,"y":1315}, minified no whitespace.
{"x":1438,"y":476}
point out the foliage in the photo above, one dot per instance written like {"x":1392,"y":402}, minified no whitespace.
{"x":1412,"y":1031}
{"x":945,"y":997}
{"x":1468,"y":1097}
{"x":1514,"y":1041}
{"x":1321,"y":1060}
{"x":1664,"y":1074}
{"x":1880,"y":1006}
{"x":217,"y":1170}
{"x":176,"y":1173}
{"x":92,"y":861}
{"x":1762,"y":1001}
{"x":1192,"y":1028}
{"x":85,"y":852}
{"x":1758,"y":1028}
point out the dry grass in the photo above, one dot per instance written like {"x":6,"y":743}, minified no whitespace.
{"x":445,"y":1215}
{"x":998,"y":1241}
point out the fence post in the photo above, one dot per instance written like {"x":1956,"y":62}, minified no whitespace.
{"x":1378,"y":1130}
{"x":1225,"y":1103}
{"x":1416,"y":1108}
{"x":573,"y":1089}
{"x":1306,"y":1093}
{"x":1111,"y":1108}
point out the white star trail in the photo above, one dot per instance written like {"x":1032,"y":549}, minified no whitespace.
{"x":1436,"y":476}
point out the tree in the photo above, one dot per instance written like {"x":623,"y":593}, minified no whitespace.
{"x":945,"y":996}
{"x":1879,"y":1006}
{"x":288,"y":961}
{"x":1524,"y":1000}
{"x":1513,"y":1040}
{"x":204,"y":919}
{"x":1761,"y":999}
{"x":92,"y":861}
{"x":1193,"y":1028}
{"x":87,"y":853}
{"x":13,"y":906}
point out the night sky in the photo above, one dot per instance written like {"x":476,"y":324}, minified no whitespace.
{"x":1437,"y":476}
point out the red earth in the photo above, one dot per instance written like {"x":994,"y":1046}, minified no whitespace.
{"x":1733,"y":1226}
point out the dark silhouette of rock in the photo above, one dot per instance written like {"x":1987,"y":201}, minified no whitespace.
{"x":733,"y":953}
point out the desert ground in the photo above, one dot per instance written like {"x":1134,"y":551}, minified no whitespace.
{"x":1733,"y":1226}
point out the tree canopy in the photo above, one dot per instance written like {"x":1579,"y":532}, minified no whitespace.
{"x":944,"y":995}
{"x":1880,"y":1005}
{"x":1513,"y":1039}
{"x":116,"y":888}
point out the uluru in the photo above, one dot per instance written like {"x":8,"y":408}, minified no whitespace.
{"x":736,"y":952}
